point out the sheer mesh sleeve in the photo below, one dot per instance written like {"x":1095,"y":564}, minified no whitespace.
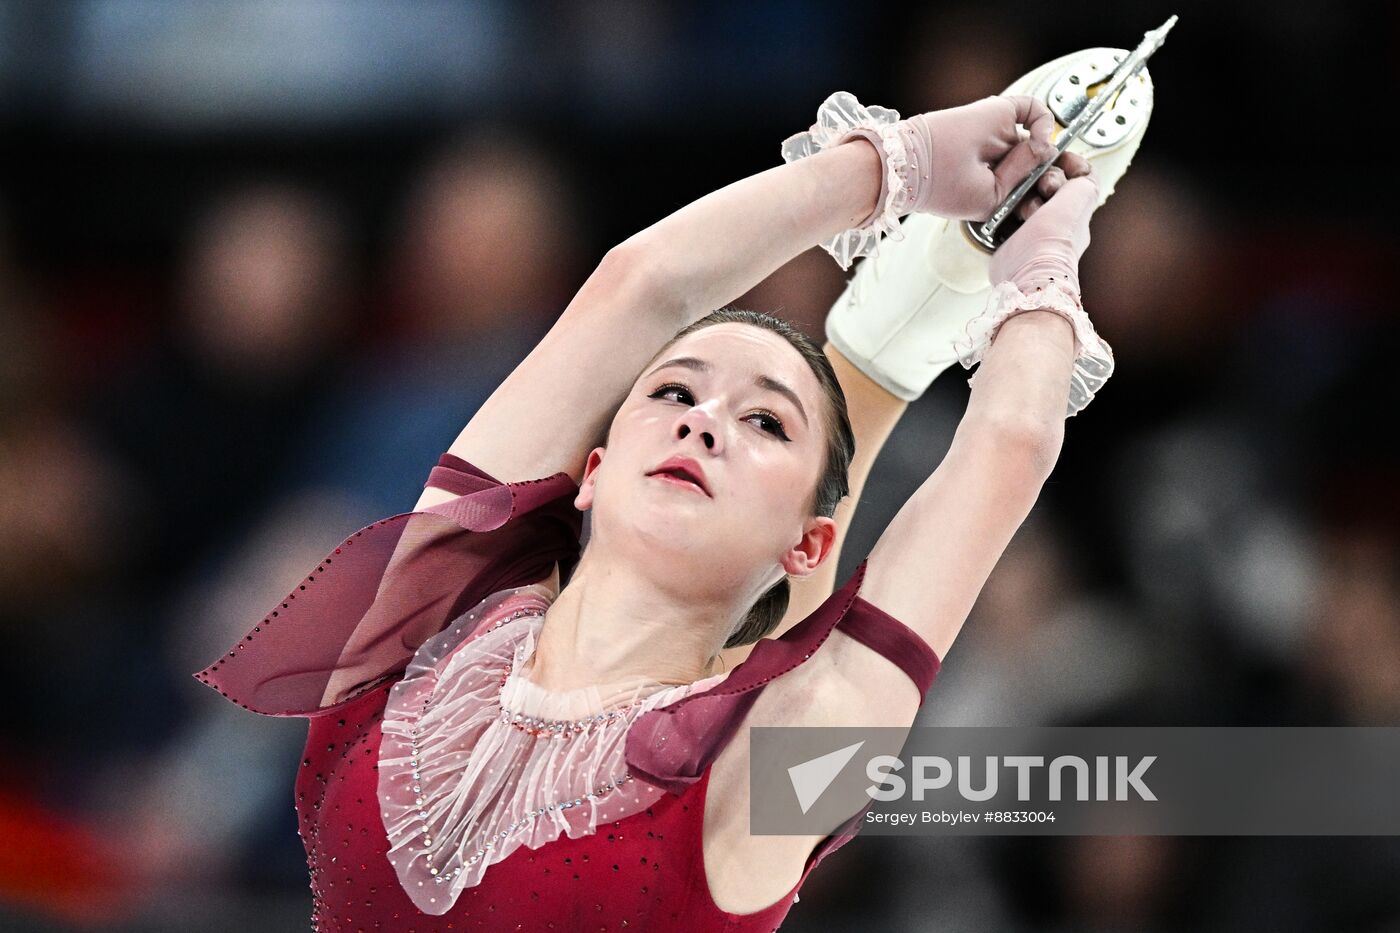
{"x":358,"y":617}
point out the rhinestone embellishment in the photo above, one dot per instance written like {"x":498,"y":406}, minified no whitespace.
{"x":560,"y":727}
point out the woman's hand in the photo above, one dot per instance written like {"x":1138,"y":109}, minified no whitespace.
{"x":969,"y":158}
{"x":959,"y":163}
{"x":1038,"y":268}
{"x":1048,"y":246}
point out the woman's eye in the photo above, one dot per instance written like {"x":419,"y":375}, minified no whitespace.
{"x":770,"y":423}
{"x":673,"y":388}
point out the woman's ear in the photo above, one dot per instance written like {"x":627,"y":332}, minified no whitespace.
{"x":584,"y":500}
{"x":818,"y":538}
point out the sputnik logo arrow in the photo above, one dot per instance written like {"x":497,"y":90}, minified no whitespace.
{"x":811,"y":778}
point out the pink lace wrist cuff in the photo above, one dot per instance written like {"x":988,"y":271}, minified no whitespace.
{"x":875,"y":139}
{"x":1093,"y":359}
{"x":840,"y":117}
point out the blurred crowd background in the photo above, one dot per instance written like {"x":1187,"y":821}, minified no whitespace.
{"x":260,"y":261}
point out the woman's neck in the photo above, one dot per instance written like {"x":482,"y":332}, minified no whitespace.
{"x":611,"y":626}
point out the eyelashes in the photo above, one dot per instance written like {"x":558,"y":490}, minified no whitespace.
{"x":774,"y":424}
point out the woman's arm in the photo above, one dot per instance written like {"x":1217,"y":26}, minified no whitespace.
{"x":556,"y":405}
{"x":938,"y":551}
{"x":710,"y":252}
{"x":1038,"y":367}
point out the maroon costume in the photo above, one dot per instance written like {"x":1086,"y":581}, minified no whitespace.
{"x":334,"y":649}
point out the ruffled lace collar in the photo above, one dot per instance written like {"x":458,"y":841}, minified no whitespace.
{"x":477,"y":760}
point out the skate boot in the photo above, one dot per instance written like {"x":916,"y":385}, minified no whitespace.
{"x":907,"y":304}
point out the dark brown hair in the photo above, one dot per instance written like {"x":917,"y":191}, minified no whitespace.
{"x":763,"y":616}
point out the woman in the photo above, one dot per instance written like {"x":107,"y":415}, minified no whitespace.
{"x":507,"y":735}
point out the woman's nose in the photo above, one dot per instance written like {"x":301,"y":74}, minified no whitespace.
{"x":700,"y":422}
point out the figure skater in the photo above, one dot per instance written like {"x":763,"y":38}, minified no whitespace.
{"x":506,"y":733}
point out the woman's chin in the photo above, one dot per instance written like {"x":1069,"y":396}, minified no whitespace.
{"x":679,"y":530}
{"x":657,"y":525}
{"x":700,"y":547}
{"x":663,"y":519}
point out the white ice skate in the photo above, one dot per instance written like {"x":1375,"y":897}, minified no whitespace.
{"x":905,"y":306}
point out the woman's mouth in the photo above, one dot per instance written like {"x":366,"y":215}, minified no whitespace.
{"x":674,"y":480}
{"x":683,"y":471}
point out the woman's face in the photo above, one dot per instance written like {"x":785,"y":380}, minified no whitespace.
{"x":742,"y":406}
